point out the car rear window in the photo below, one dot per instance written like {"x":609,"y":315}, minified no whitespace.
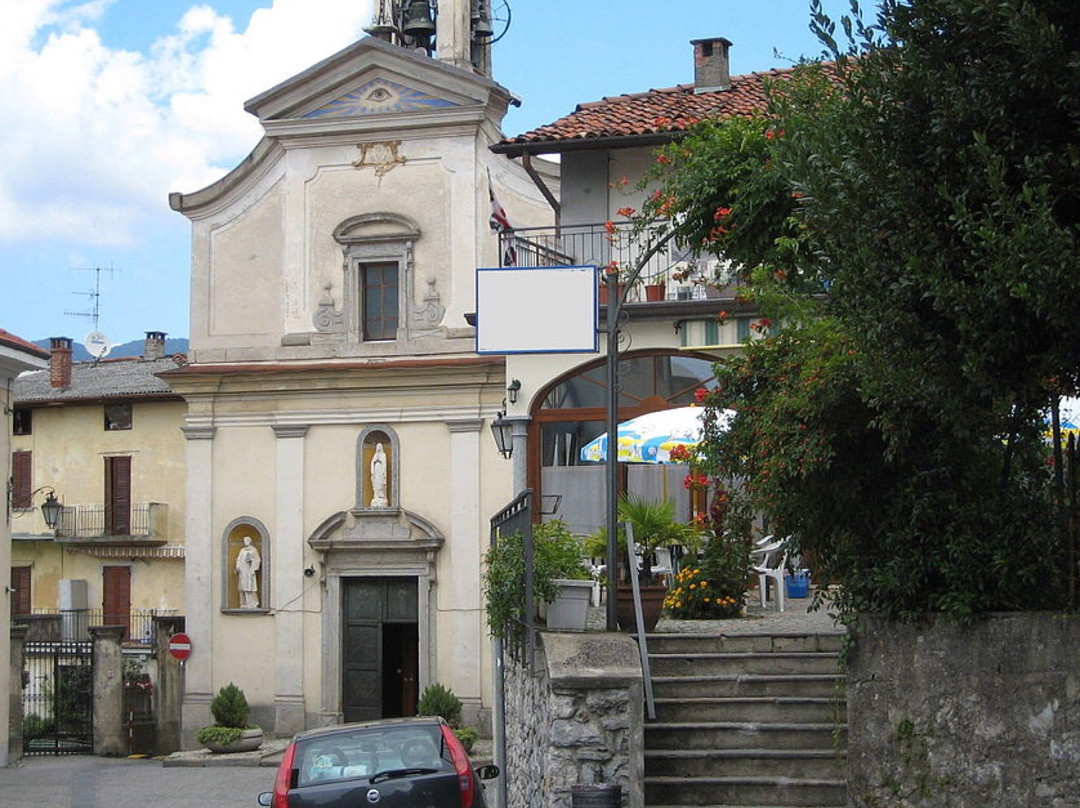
{"x":366,"y":752}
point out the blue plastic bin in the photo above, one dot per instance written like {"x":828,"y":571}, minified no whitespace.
{"x":798,"y":584}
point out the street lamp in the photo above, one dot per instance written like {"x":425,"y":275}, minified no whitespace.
{"x":51,"y":508}
{"x":501,"y":429}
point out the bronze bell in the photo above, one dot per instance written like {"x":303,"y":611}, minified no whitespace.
{"x":418,"y":22}
{"x":482,"y":29}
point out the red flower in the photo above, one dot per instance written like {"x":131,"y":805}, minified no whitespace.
{"x":721,"y":213}
{"x":661,"y":122}
{"x":663,"y":159}
{"x":609,"y":226}
{"x":700,"y":394}
{"x":680,"y":454}
{"x":626,"y":212}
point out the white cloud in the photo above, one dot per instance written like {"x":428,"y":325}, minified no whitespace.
{"x":95,"y":137}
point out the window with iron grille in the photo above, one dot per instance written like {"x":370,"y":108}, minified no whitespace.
{"x":379,"y":309}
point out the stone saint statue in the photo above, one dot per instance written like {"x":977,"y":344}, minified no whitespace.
{"x":247,"y":580}
{"x":378,"y":478}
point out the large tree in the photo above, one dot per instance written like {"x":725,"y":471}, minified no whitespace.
{"x":911,"y":213}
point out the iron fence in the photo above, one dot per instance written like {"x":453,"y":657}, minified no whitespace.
{"x":516,"y":518}
{"x":74,"y":624}
{"x":58,"y":698}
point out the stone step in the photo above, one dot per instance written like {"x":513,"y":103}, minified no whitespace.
{"x":775,"y":662}
{"x":820,"y":764}
{"x":785,"y":709}
{"x":744,"y":643}
{"x":744,"y":791}
{"x":744,"y":735}
{"x":738,"y":684}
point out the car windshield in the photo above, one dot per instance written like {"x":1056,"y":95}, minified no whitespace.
{"x":386,"y":752}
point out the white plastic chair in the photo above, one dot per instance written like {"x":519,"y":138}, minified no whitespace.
{"x":771,"y":562}
{"x":663,"y":567}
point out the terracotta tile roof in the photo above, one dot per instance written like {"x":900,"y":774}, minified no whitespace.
{"x":655,"y":116}
{"x":13,"y":341}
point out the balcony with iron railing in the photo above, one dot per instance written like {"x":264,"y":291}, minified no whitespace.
{"x":146,"y":524}
{"x":618,"y":246}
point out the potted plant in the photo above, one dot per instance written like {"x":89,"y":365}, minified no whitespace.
{"x":655,"y":289}
{"x":230,"y":731}
{"x":558,"y":556}
{"x":654,"y":527}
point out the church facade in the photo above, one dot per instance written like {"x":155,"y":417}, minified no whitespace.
{"x":340,"y":473}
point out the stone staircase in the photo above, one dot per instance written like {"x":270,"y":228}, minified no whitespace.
{"x":746,"y":720}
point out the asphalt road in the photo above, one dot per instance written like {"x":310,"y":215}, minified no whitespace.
{"x":92,"y":782}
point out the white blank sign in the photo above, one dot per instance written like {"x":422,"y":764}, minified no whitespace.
{"x":536,"y":310}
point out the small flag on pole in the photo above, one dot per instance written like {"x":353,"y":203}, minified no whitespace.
{"x":500,"y":224}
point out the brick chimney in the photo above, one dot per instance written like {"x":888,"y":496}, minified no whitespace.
{"x":60,"y":361}
{"x":711,"y":69}
{"x":155,"y":345}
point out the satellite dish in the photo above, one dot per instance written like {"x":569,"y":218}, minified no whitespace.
{"x":97,"y":344}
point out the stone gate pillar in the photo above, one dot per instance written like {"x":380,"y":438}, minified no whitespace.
{"x":109,"y":732}
{"x":15,"y":696}
{"x":169,"y":687}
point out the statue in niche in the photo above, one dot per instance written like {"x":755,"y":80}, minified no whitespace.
{"x":378,"y":478}
{"x":247,"y":579}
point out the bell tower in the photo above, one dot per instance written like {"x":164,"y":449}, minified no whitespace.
{"x":458,"y":32}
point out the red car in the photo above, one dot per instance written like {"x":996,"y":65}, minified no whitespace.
{"x":398,"y":763}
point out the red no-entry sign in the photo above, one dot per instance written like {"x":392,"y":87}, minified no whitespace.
{"x":180,"y":646}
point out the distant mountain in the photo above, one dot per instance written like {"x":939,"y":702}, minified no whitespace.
{"x":133,"y":348}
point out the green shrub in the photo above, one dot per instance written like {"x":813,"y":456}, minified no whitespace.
{"x":34,"y":726}
{"x":439,"y":700}
{"x":557,"y":553}
{"x":218,"y":736}
{"x":467,"y":736}
{"x":230,"y":708}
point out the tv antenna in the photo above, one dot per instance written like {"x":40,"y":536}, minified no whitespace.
{"x":96,"y":343}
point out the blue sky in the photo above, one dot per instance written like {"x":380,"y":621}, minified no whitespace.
{"x":108,"y":105}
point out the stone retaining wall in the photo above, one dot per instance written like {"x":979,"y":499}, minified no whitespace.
{"x":980,"y":715}
{"x":576,"y":719}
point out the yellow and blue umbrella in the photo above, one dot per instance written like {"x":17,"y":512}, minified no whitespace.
{"x":650,"y":438}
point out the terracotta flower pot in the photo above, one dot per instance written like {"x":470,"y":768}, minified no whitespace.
{"x":652,"y":603}
{"x":654,"y":291}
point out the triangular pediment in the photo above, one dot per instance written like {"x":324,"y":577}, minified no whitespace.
{"x":380,"y":96}
{"x":372,"y":77}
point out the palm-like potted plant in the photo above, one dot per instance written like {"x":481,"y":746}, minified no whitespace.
{"x":230,"y":731}
{"x":654,"y":526}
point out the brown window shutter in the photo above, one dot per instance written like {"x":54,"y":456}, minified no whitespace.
{"x":22,"y":467}
{"x":118,"y":496}
{"x":21,"y":603}
{"x":116,"y":597}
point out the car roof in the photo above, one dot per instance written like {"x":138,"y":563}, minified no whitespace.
{"x":336,"y":729}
